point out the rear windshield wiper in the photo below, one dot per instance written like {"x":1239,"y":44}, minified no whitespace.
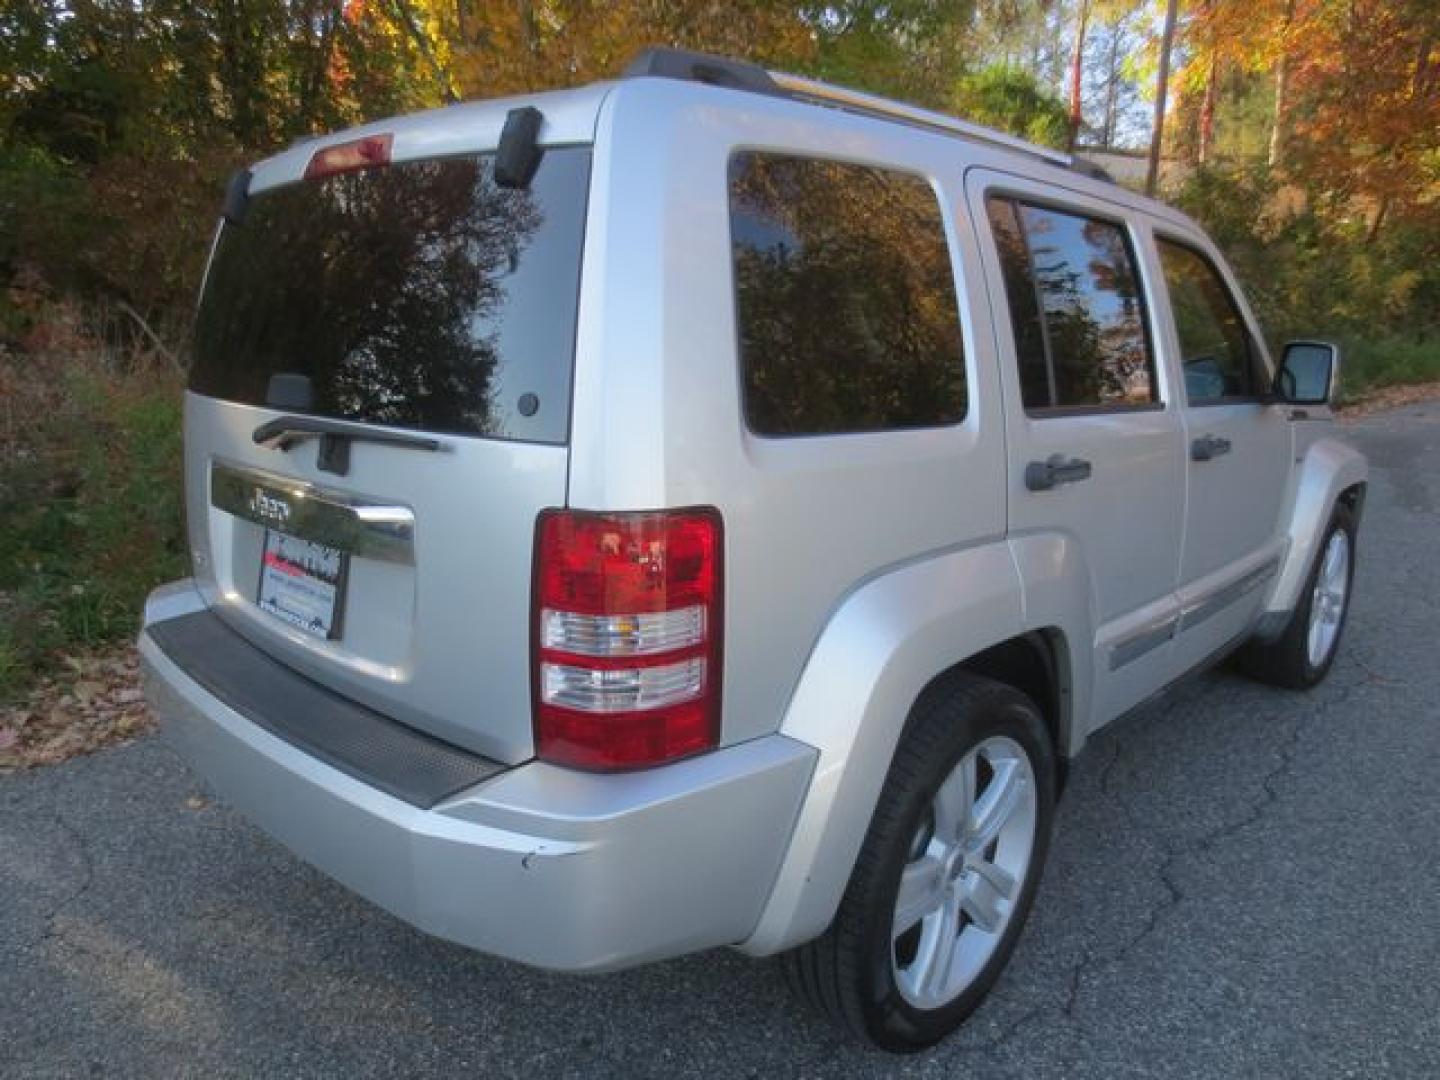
{"x":335,"y":438}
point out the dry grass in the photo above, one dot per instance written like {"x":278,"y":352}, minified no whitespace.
{"x":1389,"y":397}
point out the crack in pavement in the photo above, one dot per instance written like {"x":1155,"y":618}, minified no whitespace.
{"x":1172,"y":852}
{"x":51,"y":932}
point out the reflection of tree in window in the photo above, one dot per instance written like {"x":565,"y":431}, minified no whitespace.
{"x":1214,"y":342}
{"x":394,"y":289}
{"x":845,"y":297}
{"x":1091,"y":304}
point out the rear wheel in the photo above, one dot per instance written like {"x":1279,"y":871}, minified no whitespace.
{"x":947,"y":872}
{"x":1303,"y":653}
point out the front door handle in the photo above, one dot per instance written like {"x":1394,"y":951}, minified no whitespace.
{"x":1055,"y":470}
{"x":1208,"y":447}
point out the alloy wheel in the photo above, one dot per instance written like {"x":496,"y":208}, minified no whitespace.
{"x":968,"y":861}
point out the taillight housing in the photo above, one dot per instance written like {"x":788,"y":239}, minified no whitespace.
{"x":627,"y":632}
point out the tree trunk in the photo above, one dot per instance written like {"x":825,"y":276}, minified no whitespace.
{"x":1162,"y":86}
{"x":1207,"y":113}
{"x":1077,"y":68}
{"x":528,"y":36}
{"x":1379,"y":219}
{"x":239,"y":71}
{"x":1276,"y":153}
{"x":1112,"y":89}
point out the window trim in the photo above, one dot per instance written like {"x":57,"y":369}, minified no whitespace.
{"x":1126,"y":225}
{"x":949,"y":233}
{"x":1255,"y":353}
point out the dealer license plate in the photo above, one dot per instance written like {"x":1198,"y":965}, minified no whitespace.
{"x":303,"y":583}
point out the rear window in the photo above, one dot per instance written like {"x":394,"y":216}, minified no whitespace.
{"x":845,"y":298}
{"x":420,"y":295}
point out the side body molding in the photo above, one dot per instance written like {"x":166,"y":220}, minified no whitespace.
{"x":1326,"y":468}
{"x":883,"y":644}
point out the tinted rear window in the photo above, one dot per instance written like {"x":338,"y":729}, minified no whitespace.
{"x":420,"y":295}
{"x":845,"y":297}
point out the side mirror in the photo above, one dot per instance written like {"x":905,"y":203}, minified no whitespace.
{"x":1309,"y":373}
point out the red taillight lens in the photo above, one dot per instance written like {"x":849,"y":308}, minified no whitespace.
{"x":349,"y":156}
{"x":627,"y":636}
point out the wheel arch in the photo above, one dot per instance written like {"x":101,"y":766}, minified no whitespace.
{"x":1038,"y":664}
{"x":888,"y":642}
{"x":1330,"y":473}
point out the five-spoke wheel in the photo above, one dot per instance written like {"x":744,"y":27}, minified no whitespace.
{"x":1301,"y":656}
{"x":947,"y":872}
{"x":1327,"y":600}
{"x":968,"y":858}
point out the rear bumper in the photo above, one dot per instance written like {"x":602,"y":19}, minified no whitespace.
{"x":551,"y":867}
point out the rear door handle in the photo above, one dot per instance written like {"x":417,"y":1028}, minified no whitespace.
{"x":1208,"y":447}
{"x":1055,"y":470}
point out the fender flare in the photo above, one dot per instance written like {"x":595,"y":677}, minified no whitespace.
{"x":885,"y":642}
{"x":1329,"y":468}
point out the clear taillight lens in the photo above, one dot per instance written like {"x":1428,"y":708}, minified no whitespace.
{"x":622,"y":635}
{"x":627,"y":636}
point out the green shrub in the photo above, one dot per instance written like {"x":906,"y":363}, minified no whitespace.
{"x":1315,"y":268}
{"x":1010,"y":99}
{"x":90,"y":505}
{"x":1372,"y":362}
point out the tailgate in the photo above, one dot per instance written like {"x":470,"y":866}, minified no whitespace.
{"x":378,"y":410}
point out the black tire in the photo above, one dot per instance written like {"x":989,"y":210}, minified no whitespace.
{"x":847,"y":973}
{"x":1285,"y":662}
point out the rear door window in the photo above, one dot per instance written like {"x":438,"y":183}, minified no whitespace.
{"x":1076,"y":305}
{"x":845,"y":298}
{"x":418,"y":295}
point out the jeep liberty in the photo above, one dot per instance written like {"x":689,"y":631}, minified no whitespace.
{"x":709,"y":508}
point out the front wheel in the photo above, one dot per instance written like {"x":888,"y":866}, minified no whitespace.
{"x":1301,"y":656}
{"x":947,"y":872}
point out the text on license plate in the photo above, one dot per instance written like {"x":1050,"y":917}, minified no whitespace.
{"x":303,"y":583}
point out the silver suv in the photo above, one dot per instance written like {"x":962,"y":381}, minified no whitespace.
{"x":710,"y":508}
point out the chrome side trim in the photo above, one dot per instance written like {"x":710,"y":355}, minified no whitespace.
{"x":1200,"y":610}
{"x":367,"y":530}
{"x":1130,"y":649}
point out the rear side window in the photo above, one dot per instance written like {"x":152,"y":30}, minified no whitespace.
{"x":1219,"y":357}
{"x":845,"y":298}
{"x":1074,"y":294}
{"x":419,"y":295}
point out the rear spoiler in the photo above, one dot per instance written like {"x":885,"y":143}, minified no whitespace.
{"x":237,"y":197}
{"x":516,"y":159}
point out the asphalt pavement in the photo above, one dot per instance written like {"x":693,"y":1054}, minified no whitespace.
{"x":1244,"y":882}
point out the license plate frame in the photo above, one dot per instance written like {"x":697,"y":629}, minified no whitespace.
{"x":302,"y":583}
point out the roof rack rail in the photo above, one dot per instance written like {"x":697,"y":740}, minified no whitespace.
{"x":872,"y":105}
{"x":1093,"y":169}
{"x":702,"y":67}
{"x":741,"y":75}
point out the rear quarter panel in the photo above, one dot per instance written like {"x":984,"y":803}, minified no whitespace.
{"x":658,"y":417}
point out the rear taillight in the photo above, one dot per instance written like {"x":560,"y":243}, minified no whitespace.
{"x":348,"y":156}
{"x":627,"y":636}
